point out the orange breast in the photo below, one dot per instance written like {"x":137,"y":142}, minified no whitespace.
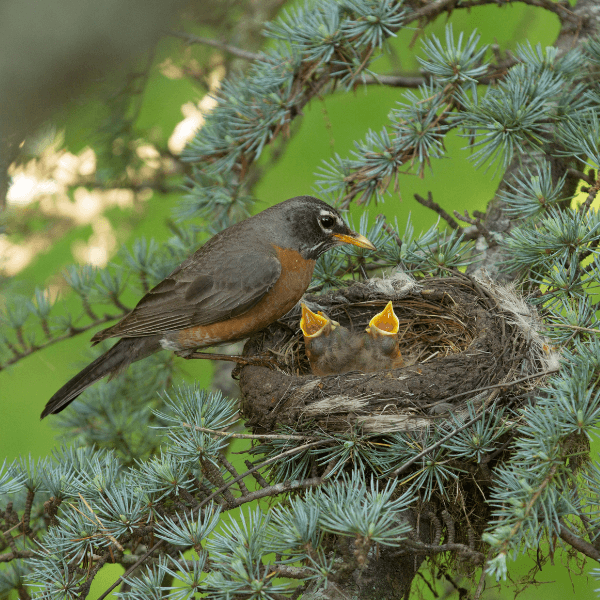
{"x":296,"y":273}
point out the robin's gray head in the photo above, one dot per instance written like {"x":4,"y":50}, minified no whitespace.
{"x":311,"y":227}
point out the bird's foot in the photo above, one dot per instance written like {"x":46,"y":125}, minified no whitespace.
{"x":240,"y":360}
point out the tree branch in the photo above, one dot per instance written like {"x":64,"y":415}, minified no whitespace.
{"x":433,"y":9}
{"x":434,"y":206}
{"x":592,"y":193}
{"x":7,"y":557}
{"x":578,"y":543}
{"x":481,"y":228}
{"x":73,"y":331}
{"x":404,"y":81}
{"x":195,"y":39}
{"x":558,"y":8}
{"x":291,"y":572}
{"x":279,"y":488}
{"x":247,"y":436}
{"x":407,"y":80}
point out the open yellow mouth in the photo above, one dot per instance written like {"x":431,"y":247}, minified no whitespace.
{"x":356,"y":240}
{"x":312,"y":324}
{"x":384,"y":323}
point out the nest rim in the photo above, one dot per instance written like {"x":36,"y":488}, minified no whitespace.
{"x":289,"y":395}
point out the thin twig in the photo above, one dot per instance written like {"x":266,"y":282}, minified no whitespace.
{"x":434,"y":206}
{"x":389,"y":229}
{"x":195,"y":39}
{"x":480,"y":585}
{"x":73,"y":331}
{"x":481,"y":228}
{"x":489,"y":457}
{"x":18,"y":554}
{"x":580,"y":175}
{"x":592,"y":193}
{"x":556,"y":7}
{"x":257,"y":476}
{"x":279,"y":488}
{"x":232,"y":470}
{"x":248,"y":436}
{"x":140,"y":186}
{"x":19,"y":525}
{"x":414,"y":459}
{"x":404,"y":81}
{"x":414,"y":81}
{"x":576,"y":327}
{"x":84,"y":589}
{"x":290,"y":452}
{"x":495,"y":385}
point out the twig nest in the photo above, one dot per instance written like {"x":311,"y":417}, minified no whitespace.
{"x":459,"y":337}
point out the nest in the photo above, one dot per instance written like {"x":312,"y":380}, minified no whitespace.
{"x":462,"y":339}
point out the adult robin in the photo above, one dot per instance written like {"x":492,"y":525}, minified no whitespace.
{"x":239,"y":282}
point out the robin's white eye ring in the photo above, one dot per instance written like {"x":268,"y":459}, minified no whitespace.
{"x":327,"y":221}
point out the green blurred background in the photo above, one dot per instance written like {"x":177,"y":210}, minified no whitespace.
{"x":330,"y":125}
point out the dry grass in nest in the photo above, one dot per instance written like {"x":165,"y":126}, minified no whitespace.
{"x":427,"y":330}
{"x":459,"y":338}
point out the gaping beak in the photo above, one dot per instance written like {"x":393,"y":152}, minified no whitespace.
{"x":314,"y":325}
{"x":385,"y":323}
{"x":355,"y":239}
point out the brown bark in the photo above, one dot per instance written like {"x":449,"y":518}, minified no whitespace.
{"x":385,"y":575}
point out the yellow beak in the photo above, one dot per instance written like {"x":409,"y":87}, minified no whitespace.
{"x":356,"y":240}
{"x":314,"y":325}
{"x":384,"y":323}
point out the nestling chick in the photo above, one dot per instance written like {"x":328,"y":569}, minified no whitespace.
{"x":330,"y":348}
{"x":381,"y":351}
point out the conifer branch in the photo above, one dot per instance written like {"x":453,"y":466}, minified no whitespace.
{"x":190,"y":38}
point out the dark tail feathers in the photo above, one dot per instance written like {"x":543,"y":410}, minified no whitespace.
{"x":118,"y":358}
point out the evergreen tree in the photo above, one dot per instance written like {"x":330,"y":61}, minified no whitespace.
{"x":147,"y":482}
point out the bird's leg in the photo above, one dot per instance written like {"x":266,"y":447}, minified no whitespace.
{"x":241,"y":360}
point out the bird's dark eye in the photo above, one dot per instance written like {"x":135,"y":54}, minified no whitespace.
{"x":327,"y":221}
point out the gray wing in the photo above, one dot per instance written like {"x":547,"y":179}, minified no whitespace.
{"x":207,"y":288}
